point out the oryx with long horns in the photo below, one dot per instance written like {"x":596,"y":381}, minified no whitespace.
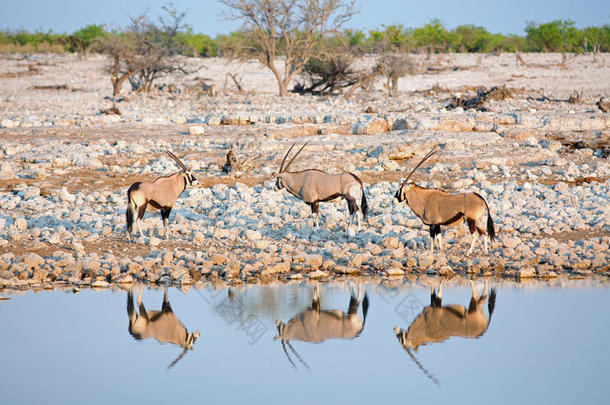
{"x":437,"y":323}
{"x":316,"y":325}
{"x":160,"y":195}
{"x":161,"y":325}
{"x":313,"y":186}
{"x":437,"y":207}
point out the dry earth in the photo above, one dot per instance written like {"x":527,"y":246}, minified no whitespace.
{"x":538,"y":154}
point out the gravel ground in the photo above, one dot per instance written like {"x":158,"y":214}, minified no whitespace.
{"x":539,"y":157}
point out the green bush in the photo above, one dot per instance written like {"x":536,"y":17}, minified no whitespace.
{"x":86,"y":38}
{"x":432,"y":36}
{"x":554,"y":36}
{"x":197,"y":44}
{"x":470,"y":38}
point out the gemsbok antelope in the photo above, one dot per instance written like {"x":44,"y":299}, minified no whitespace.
{"x":437,"y":207}
{"x":437,"y":323}
{"x":160,"y":325}
{"x":315,"y":325}
{"x":161,"y":195}
{"x":313,"y":186}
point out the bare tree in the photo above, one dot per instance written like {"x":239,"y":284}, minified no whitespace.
{"x":286,"y":29}
{"x":156,"y":48}
{"x":143,"y":52}
{"x":122,"y":61}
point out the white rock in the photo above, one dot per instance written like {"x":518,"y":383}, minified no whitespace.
{"x":511,"y":242}
{"x":21,"y":224}
{"x":394,"y":272}
{"x":64,"y":195}
{"x":261,"y":244}
{"x":196,"y":130}
{"x":252,"y":235}
{"x":7,"y":123}
{"x":31,"y":192}
{"x":6,"y":170}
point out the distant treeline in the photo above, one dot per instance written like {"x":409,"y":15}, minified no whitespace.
{"x":554,"y":36}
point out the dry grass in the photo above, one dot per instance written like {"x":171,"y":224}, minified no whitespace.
{"x":28,"y":49}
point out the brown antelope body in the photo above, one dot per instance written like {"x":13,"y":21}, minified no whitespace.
{"x":438,"y":208}
{"x":437,"y":323}
{"x":313,"y":186}
{"x":160,"y":195}
{"x":162,"y":325}
{"x":315,"y":325}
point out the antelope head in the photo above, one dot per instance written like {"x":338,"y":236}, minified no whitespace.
{"x":279,"y":183}
{"x":401,"y":193}
{"x":191,"y":338}
{"x":186,"y":173}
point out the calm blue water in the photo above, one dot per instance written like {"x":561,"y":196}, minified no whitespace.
{"x":543,"y":345}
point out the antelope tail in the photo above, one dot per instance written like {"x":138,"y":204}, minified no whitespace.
{"x":365,"y":309}
{"x":491,"y":304}
{"x":131,"y":313}
{"x":490,"y":223}
{"x":363,"y":204}
{"x":129,"y":215}
{"x":130,"y":207}
{"x":490,"y":226}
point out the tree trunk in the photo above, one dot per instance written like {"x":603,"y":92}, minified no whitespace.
{"x":362,"y":81}
{"x":394,"y":86}
{"x":281,"y":82}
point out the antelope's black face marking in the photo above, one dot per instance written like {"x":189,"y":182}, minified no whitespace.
{"x":279,"y":184}
{"x":190,"y":179}
{"x":399,"y":194}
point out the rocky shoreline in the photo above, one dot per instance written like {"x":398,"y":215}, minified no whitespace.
{"x":541,"y":164}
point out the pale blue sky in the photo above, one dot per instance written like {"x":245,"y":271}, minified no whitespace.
{"x":507,"y":17}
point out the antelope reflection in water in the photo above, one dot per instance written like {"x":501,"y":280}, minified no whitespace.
{"x":315,"y":325}
{"x":161,"y":325}
{"x":437,"y":323}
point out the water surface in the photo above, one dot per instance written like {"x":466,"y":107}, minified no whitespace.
{"x":543,"y":344}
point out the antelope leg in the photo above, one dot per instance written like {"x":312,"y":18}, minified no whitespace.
{"x":474,"y":241}
{"x":138,"y":220}
{"x":350,"y":231}
{"x":439,"y":241}
{"x":484,"y":293}
{"x":475,"y":293}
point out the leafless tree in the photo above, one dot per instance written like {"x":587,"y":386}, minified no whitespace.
{"x":143,"y":52}
{"x":286,"y":29}
{"x":122,"y":61}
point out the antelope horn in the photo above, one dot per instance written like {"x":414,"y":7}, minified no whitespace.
{"x":295,"y":155}
{"x":285,"y":156}
{"x":173,"y":363}
{"x":178,"y":161}
{"x":243,"y":162}
{"x":428,"y":156}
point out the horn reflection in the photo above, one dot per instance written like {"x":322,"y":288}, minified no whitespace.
{"x":437,"y":323}
{"x":162,"y":325}
{"x":315,"y":325}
